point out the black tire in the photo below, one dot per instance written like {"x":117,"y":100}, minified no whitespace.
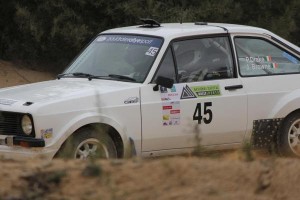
{"x":89,"y":143}
{"x":289,"y":137}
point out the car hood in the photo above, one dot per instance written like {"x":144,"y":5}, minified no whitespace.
{"x":59,"y":89}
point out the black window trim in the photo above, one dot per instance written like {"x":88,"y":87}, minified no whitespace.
{"x":193,"y":37}
{"x":169,"y":47}
{"x":269,"y":41}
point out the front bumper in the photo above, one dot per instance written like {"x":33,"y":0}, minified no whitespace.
{"x":22,"y":141}
{"x":20,"y":148}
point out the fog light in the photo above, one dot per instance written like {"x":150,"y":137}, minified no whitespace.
{"x":26,"y":124}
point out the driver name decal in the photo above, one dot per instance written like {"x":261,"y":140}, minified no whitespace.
{"x":261,"y":63}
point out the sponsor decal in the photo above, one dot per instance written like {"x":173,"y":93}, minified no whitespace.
{"x":175,"y":111}
{"x":101,"y":39}
{"x":127,"y":39}
{"x":131,"y":100}
{"x":166,"y":117}
{"x":207,"y":90}
{"x":187,"y":93}
{"x":171,"y":94}
{"x":7,"y":102}
{"x":47,"y":133}
{"x":167,"y":107}
{"x":165,"y":99}
{"x":163,"y":90}
{"x":171,"y":113}
{"x":173,"y":89}
{"x":180,"y":91}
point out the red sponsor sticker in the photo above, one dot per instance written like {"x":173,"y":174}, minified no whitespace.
{"x":175,"y":111}
{"x":167,"y":107}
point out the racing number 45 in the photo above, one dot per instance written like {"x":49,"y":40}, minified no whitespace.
{"x":207,"y":112}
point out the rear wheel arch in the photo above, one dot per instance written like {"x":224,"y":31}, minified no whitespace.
{"x":287,"y":105}
{"x":283,"y":136}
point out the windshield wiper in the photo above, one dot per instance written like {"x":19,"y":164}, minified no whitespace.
{"x":76,"y":74}
{"x":80,"y":74}
{"x":90,"y":76}
{"x":121,"y":77}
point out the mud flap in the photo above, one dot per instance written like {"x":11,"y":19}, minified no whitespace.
{"x":264,"y":132}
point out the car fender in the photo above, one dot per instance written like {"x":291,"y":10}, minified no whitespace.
{"x":286,"y":105}
{"x":85,"y":119}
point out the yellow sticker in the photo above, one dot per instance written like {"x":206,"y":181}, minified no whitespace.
{"x":166,"y":117}
{"x":47,"y":133}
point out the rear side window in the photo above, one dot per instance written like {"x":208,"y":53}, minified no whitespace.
{"x":258,"y":57}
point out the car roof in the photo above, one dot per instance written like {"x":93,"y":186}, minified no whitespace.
{"x":173,"y":30}
{"x":176,"y":30}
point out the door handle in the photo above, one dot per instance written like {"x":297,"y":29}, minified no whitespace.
{"x":233,"y":87}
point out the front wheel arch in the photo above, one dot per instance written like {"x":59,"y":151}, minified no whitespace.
{"x":106,"y":129}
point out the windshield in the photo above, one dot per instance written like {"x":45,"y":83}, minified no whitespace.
{"x":116,"y":56}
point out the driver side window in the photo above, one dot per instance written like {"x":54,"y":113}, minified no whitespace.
{"x":203,"y":59}
{"x":198,"y":60}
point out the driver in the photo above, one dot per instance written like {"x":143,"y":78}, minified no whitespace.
{"x":188,"y":57}
{"x":137,"y":59}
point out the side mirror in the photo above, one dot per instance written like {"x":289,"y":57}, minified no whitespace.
{"x":164,"y":82}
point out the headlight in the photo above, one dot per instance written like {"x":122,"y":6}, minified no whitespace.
{"x":26,"y":124}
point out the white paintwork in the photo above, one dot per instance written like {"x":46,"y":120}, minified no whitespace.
{"x":70,"y":103}
{"x":228,"y":108}
{"x":270,"y":97}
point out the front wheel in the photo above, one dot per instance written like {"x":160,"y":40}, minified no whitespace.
{"x":289,"y":136}
{"x":89,"y":143}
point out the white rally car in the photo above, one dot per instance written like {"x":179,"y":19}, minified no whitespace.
{"x":143,"y":89}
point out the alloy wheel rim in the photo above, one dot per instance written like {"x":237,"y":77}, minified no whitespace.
{"x":91,"y":148}
{"x":294,"y":137}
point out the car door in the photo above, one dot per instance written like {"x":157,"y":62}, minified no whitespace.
{"x":207,"y":98}
{"x":269,"y":72}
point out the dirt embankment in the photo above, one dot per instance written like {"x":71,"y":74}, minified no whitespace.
{"x":11,"y":75}
{"x":227,"y":176}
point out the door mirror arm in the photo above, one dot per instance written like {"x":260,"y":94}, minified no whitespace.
{"x":164,"y":82}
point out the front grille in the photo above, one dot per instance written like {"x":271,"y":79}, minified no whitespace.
{"x":10,"y":124}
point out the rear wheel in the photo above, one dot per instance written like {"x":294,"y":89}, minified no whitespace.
{"x":89,"y":143}
{"x":289,"y":136}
